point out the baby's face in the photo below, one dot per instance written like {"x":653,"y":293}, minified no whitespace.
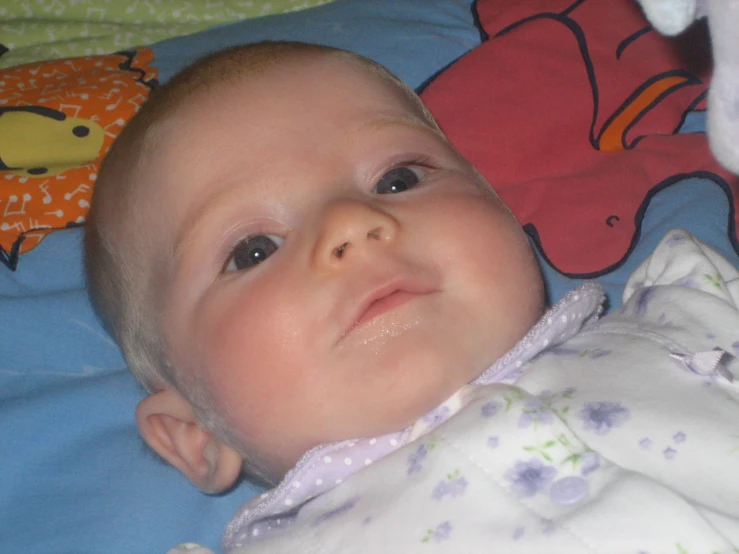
{"x":334,"y":268}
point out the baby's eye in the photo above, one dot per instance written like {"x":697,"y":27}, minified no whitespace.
{"x":252,"y":251}
{"x":399,"y":179}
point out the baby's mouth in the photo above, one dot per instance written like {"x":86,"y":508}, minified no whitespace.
{"x":386,"y":299}
{"x":385,"y":304}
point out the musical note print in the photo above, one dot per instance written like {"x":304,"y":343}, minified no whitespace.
{"x":82,"y":188}
{"x":45,"y":189}
{"x":70,"y":112}
{"x":13,"y":200}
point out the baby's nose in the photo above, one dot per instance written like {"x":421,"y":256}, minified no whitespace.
{"x":352,"y":229}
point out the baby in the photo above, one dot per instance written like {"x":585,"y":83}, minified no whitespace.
{"x":309,"y":280}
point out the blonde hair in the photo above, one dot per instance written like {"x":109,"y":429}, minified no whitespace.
{"x":123,"y":287}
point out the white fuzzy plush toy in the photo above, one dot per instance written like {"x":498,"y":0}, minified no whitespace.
{"x":671,"y":17}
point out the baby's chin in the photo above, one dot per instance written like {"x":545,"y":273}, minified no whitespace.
{"x":404,"y":403}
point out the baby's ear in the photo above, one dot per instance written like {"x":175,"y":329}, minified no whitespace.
{"x":168,"y":424}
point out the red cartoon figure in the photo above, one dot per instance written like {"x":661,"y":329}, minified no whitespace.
{"x":571,"y":109}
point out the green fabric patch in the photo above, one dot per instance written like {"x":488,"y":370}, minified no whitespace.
{"x":35,"y":30}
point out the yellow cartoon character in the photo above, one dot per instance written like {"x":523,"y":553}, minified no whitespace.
{"x":37,"y":141}
{"x":57,"y":120}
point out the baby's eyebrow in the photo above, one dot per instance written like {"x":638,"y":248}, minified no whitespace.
{"x":404,"y":119}
{"x":213,"y":208}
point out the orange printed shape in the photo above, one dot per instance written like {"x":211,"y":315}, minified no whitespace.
{"x":57,"y":121}
{"x":613,"y":135}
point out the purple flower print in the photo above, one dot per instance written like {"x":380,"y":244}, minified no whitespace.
{"x":589,"y":462}
{"x":596,"y":353}
{"x":535,"y":411}
{"x":489,"y":409}
{"x":645,"y":443}
{"x":674,"y":240}
{"x":679,"y":437}
{"x":601,"y":417}
{"x":663,"y":321}
{"x":437,"y":415}
{"x":642,"y":301}
{"x":415,"y":458}
{"x":441,"y":533}
{"x":343,"y":508}
{"x":449,"y":488}
{"x":440,"y":490}
{"x":669,"y":453}
{"x":457,"y":486}
{"x":493,"y":442}
{"x":735,"y":346}
{"x":529,"y":478}
{"x":688,"y":283}
{"x":548,"y":527}
{"x":518,"y":533}
{"x":454,"y":485}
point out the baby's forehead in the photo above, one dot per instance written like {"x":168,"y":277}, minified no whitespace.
{"x":284,"y":98}
{"x":291,"y":73}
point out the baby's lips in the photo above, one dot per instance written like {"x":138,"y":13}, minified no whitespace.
{"x":384,"y":298}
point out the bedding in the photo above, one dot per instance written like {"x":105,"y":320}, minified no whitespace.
{"x":589,"y":124}
{"x":52,"y":29}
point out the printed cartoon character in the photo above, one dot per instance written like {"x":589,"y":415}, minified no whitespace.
{"x":37,"y":141}
{"x":584,"y":103}
{"x":57,"y":120}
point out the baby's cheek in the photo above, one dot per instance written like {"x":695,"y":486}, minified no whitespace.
{"x":259,"y":381}
{"x":504,"y":279}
